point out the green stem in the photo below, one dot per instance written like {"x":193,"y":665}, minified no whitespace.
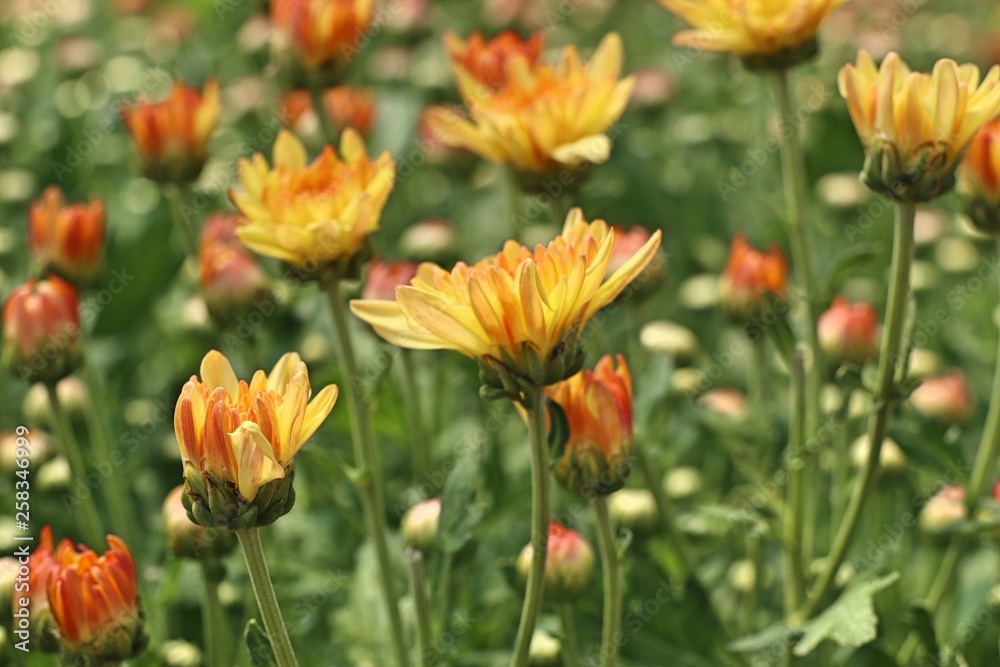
{"x":612,"y":583}
{"x":98,"y":423}
{"x":369,"y":477}
{"x":177,"y":195}
{"x":756,"y":380}
{"x":260,"y":579}
{"x":751,"y":597}
{"x":420,"y":443}
{"x":892,"y":336}
{"x":418,"y":584}
{"x":570,"y":656}
{"x":534,"y":405}
{"x":794,"y":173}
{"x":841,"y":460}
{"x":795,"y":576}
{"x":989,"y":445}
{"x":444,"y":593}
{"x":326,"y":127}
{"x":84,"y":508}
{"x":214,"y":625}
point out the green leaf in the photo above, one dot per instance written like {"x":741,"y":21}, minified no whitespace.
{"x":652,"y":389}
{"x":761,"y":640}
{"x":259,"y":645}
{"x":461,"y":510}
{"x":923,"y":625}
{"x":850,"y":621}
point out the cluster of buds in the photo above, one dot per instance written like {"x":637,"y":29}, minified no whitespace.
{"x":569,"y":563}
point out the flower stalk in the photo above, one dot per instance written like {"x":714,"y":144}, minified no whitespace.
{"x":571,"y":657}
{"x":263,"y":590}
{"x":214,"y":626}
{"x":795,"y":577}
{"x":421,"y":606}
{"x":612,"y":582}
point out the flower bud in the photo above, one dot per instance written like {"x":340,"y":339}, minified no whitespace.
{"x":979,"y":180}
{"x":670,"y":338}
{"x":891,"y":459}
{"x":95,"y":603}
{"x":944,"y":510}
{"x":74,"y":397}
{"x":384,"y":277}
{"x":598,"y":409}
{"x":187,"y":539}
{"x":420,"y":524}
{"x":231,"y":278}
{"x":54,"y":475}
{"x":569,"y":563}
{"x":544,"y":650}
{"x":751,"y":279}
{"x":634,"y":509}
{"x":432,"y":239}
{"x":320,"y":34}
{"x":66,"y":239}
{"x":727,"y":401}
{"x":10,"y":442}
{"x":946,"y":398}
{"x":849,"y":332}
{"x":41,"y":330}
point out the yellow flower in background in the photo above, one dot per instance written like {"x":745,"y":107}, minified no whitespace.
{"x":520,"y":313}
{"x":313,"y":214}
{"x":540,"y":117}
{"x":780,"y":31}
{"x":235,"y":438}
{"x":915,"y":127}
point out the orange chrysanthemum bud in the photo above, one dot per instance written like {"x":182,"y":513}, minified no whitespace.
{"x":384,"y":277}
{"x":773,"y":34}
{"x":520,"y":313}
{"x":849,"y":331}
{"x":187,"y":539}
{"x":344,"y":106}
{"x":171,"y":137}
{"x":915,"y":127}
{"x":598,"y":409}
{"x":41,"y":330}
{"x":321,"y":33}
{"x":751,"y":278}
{"x":569,"y":563}
{"x":946,"y":398}
{"x":315,"y":216}
{"x":95,"y":602}
{"x":979,"y":179}
{"x":238,"y":440}
{"x":66,"y":239}
{"x":231,"y":278}
{"x":541,"y":118}
{"x":944,"y":510}
{"x":487,"y":61}
{"x":32,"y":615}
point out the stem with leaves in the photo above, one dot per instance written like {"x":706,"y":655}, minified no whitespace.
{"x":263,"y":590}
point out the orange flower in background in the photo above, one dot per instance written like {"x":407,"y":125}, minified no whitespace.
{"x":486,"y":61}
{"x":95,"y":602}
{"x":345,"y":106}
{"x":543,"y":117}
{"x":230,"y":277}
{"x":783,"y":30}
{"x":235,"y":438}
{"x":313,"y":214}
{"x":171,"y":137}
{"x":569,"y":563}
{"x":598,"y":408}
{"x":849,"y":331}
{"x":384,"y":277}
{"x":946,"y":398}
{"x":915,"y":127}
{"x":979,"y":179}
{"x":37,"y":611}
{"x":321,"y":32}
{"x":520,"y":313}
{"x":751,"y":278}
{"x":41,"y":330}
{"x":627,"y":243}
{"x":67,"y":238}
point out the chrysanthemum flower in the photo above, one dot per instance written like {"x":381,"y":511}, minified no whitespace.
{"x":41,"y":330}
{"x":915,"y":127}
{"x":751,"y":278}
{"x":37,"y":612}
{"x":321,"y":32}
{"x":520,"y":313}
{"x":313,"y":214}
{"x":486,"y":61}
{"x":95,"y":602}
{"x":171,"y":137}
{"x":66,"y":238}
{"x":238,"y":440}
{"x":781,"y":32}
{"x":541,"y":117}
{"x":598,"y":409}
{"x":979,"y":179}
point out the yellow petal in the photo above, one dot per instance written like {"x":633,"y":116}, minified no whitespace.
{"x":288,"y":365}
{"x":594,"y":149}
{"x":255,"y":463}
{"x":607,"y":292}
{"x":317,"y":411}
{"x":289,"y":153}
{"x":216,"y":371}
{"x":390,"y":323}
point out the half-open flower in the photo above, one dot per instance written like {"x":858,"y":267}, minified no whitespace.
{"x":541,"y":118}
{"x":66,"y":238}
{"x":95,"y":602}
{"x":752,"y":278}
{"x":487,"y":61}
{"x":979,"y":179}
{"x":238,"y":440}
{"x":313,"y":215}
{"x":915,"y":127}
{"x":598,"y":408}
{"x":41,"y":330}
{"x":520,"y":313}
{"x":171,"y":136}
{"x":321,"y":33}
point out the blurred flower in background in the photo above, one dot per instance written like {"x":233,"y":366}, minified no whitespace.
{"x":41,"y":330}
{"x":171,"y":136}
{"x":384,"y":277}
{"x":185,"y":538}
{"x":320,"y":33}
{"x":979,"y":179}
{"x":946,"y":398}
{"x":751,"y":279}
{"x":487,"y":61}
{"x":344,"y":106}
{"x":66,"y":238}
{"x":231,"y":278}
{"x":420,"y":524}
{"x":569,"y":563}
{"x":849,"y":331}
{"x":40,"y":566}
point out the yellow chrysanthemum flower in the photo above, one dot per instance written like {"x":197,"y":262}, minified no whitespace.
{"x":915,"y":127}
{"x":540,"y":117}
{"x":317,"y":214}
{"x":776,"y":32}
{"x":520,"y":313}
